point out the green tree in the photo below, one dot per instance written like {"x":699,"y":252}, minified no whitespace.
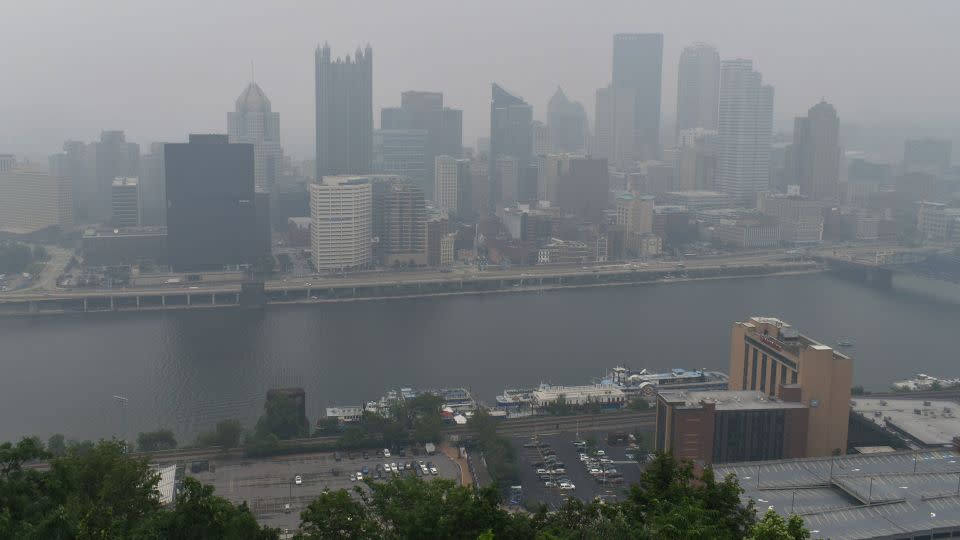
{"x":56,"y":445}
{"x":40,"y":253}
{"x":200,"y":515}
{"x":14,"y":257}
{"x":328,"y":426}
{"x":427,"y":429}
{"x":773,"y":527}
{"x":226,"y":435}
{"x":283,"y":418}
{"x":335,"y":514}
{"x":638,"y":404}
{"x":152,"y":441}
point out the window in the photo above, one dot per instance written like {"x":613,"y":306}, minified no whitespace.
{"x":763,"y":373}
{"x":746,"y":351}
{"x":753,"y":374}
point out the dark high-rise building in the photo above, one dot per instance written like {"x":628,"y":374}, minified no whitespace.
{"x":344,"y":107}
{"x":405,"y":225}
{"x":813,"y":160}
{"x":568,"y":123}
{"x":510,"y":131}
{"x":638,"y":65}
{"x":154,"y":211}
{"x":403,"y":152}
{"x":211,"y":206}
{"x":583,"y":187}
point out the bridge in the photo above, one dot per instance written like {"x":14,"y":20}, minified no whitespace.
{"x":878,"y":268}
{"x":392,"y":285}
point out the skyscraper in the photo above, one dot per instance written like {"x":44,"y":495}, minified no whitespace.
{"x":91,"y":169}
{"x":405,"y":219}
{"x":568,"y":123}
{"x":254,"y":122}
{"x":541,"y":138}
{"x":638,"y":65}
{"x":446,"y":183}
{"x":404,"y":152}
{"x":510,"y":126}
{"x":154,"y":210}
{"x":32,"y":200}
{"x":443,"y":128}
{"x":813,"y":160}
{"x":745,"y":127}
{"x":344,"y":108}
{"x":125,"y":202}
{"x":698,"y":88}
{"x":341,"y":222}
{"x":696,"y":159}
{"x":211,"y":213}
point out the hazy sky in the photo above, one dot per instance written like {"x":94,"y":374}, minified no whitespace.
{"x":162,"y":69}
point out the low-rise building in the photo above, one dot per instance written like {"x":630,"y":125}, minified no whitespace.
{"x":755,"y":232}
{"x":937,"y":221}
{"x":345,"y":413}
{"x":801,"y":218}
{"x":606,"y":395}
{"x":566,"y":252}
{"x":696,"y":200}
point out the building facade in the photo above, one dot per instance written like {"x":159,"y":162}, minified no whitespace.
{"x":698,"y":88}
{"x":344,"y":109}
{"x":749,"y":232}
{"x":126,"y":203}
{"x":7,"y":162}
{"x":446,"y":190}
{"x":405,"y":220}
{"x":813,"y":160}
{"x":638,"y":66}
{"x":403,"y":152}
{"x":635,"y":213}
{"x":254,"y":122}
{"x":510,"y":126}
{"x":697,"y":159}
{"x":584,"y":188}
{"x":769,"y":356}
{"x":801,"y":219}
{"x":341,"y":213}
{"x":568,"y":124}
{"x":211,"y":212}
{"x":32,"y":200}
{"x":745,"y":125}
{"x":541,"y":138}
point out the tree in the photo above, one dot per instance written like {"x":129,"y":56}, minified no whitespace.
{"x":427,"y":429}
{"x":328,"y":426}
{"x":857,"y":390}
{"x":638,"y":404}
{"x":40,"y":253}
{"x":200,"y":515}
{"x":773,"y":527}
{"x":282,"y":417}
{"x":152,"y":441}
{"x":14,"y":257}
{"x":335,"y":514}
{"x":226,"y":435}
{"x":56,"y":445}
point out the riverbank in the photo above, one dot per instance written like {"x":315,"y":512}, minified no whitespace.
{"x":487,"y":285}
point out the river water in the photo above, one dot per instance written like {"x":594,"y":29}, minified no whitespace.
{"x":186,"y":370}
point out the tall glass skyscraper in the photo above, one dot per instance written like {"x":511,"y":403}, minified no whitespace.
{"x":638,"y":65}
{"x":698,"y":88}
{"x":745,"y":128}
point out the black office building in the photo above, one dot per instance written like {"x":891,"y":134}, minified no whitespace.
{"x":211,"y":210}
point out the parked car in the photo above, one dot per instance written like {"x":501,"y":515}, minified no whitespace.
{"x":386,"y":452}
{"x":434,"y":471}
{"x":550,"y":484}
{"x":298,"y":480}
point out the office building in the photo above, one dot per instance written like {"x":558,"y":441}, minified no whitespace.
{"x":635,"y":213}
{"x":153,"y":210}
{"x":938,"y":222}
{"x":403,"y":152}
{"x":698,"y":88}
{"x":768,"y":355}
{"x":510,"y":126}
{"x":813,"y":159}
{"x":748,"y":232}
{"x":481,"y":188}
{"x":211,"y":207}
{"x":568,"y":124}
{"x":344,"y":109}
{"x":577,"y":184}
{"x":732,"y":426}
{"x":438,"y":241}
{"x":927,"y":155}
{"x":443,"y":126}
{"x":254,"y":122}
{"x":506,"y":177}
{"x":542,"y":143}
{"x":695,"y":201}
{"x":404,"y":241}
{"x":125,"y":203}
{"x":91,"y":168}
{"x":638,"y":66}
{"x":745,"y":125}
{"x":32,"y":200}
{"x":7,"y":162}
{"x":129,"y":246}
{"x":341,"y":209}
{"x":696,"y":162}
{"x":452,"y":186}
{"x":801,"y":218}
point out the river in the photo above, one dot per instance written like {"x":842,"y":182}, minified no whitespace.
{"x":186,"y":370}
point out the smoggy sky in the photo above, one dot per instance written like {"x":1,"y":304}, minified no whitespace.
{"x":162,"y":69}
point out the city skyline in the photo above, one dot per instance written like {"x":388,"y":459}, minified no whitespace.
{"x":35,"y":126}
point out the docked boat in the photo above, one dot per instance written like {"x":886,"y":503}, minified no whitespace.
{"x":925,"y":382}
{"x":649,"y":384}
{"x":845,"y":343}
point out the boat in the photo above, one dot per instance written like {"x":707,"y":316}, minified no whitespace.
{"x":649,"y":384}
{"x":845,"y":343}
{"x":925,"y":382}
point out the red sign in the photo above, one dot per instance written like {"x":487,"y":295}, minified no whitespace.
{"x":771,"y":342}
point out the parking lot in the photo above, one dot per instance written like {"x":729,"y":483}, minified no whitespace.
{"x":587,"y":486}
{"x":267,"y":485}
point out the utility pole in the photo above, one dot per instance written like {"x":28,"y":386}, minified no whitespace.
{"x":122,"y":400}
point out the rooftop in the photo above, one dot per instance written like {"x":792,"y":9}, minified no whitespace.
{"x":730,"y":400}
{"x":892,"y":495}
{"x":930,"y":423}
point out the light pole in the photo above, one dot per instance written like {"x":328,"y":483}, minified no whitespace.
{"x":122,"y":400}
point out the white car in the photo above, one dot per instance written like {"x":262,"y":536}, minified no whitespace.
{"x":386,"y":453}
{"x":393,"y":467}
{"x":541,"y":471}
{"x":434,"y":471}
{"x":298,"y":480}
{"x":601,"y":453}
{"x":567,"y":486}
{"x":386,"y":467}
{"x":359,"y":477}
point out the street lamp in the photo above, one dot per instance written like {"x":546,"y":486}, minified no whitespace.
{"x":122,"y":401}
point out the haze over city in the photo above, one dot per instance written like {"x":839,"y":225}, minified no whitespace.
{"x":164,"y":69}
{"x":489,"y":270}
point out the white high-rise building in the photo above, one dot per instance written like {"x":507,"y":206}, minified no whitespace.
{"x":745,"y":128}
{"x":698,"y":88}
{"x":445,"y":182}
{"x":31,"y":200}
{"x":254,"y":122}
{"x":341,"y":222}
{"x":542,"y":140}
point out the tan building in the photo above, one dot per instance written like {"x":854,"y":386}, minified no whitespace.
{"x":767,"y":354}
{"x":32,"y":200}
